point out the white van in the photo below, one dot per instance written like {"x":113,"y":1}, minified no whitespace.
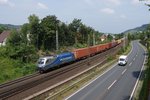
{"x":122,"y":60}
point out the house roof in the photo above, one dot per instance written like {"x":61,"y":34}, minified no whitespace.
{"x":103,"y":36}
{"x":4,"y":35}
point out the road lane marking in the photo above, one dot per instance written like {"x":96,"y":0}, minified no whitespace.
{"x":98,"y":77}
{"x":136,"y":55}
{"x":124,"y":71}
{"x":131,"y":96}
{"x":115,"y":65}
{"x":112,"y":84}
{"x":96,"y":86}
{"x":130,"y":64}
{"x":134,"y":59}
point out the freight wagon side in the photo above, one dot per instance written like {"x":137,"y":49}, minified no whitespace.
{"x":93,"y":50}
{"x":119,"y":41}
{"x":107,"y":46}
{"x":114,"y":43}
{"x":101,"y":48}
{"x":81,"y":53}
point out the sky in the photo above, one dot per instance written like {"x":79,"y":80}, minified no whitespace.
{"x":109,"y":16}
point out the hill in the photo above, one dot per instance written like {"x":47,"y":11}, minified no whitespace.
{"x":10,"y":26}
{"x":137,"y":29}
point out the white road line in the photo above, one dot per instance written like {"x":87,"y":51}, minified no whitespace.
{"x":97,"y":77}
{"x":136,"y":55}
{"x":130,"y":64}
{"x":124,"y":71}
{"x":91,"y":82}
{"x":131,"y":96}
{"x":112,"y":84}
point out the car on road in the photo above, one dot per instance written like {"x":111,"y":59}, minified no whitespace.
{"x":122,"y":60}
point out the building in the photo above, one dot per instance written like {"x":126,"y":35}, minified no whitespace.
{"x":103,"y":37}
{"x":3,"y":37}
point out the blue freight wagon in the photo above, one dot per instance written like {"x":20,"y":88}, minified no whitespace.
{"x":48,"y":62}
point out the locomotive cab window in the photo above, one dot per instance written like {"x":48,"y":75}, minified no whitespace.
{"x":50,"y":60}
{"x":41,"y":61}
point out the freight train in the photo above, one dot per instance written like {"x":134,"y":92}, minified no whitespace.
{"x":48,"y":62}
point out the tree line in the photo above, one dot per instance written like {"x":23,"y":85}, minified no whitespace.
{"x":40,"y":35}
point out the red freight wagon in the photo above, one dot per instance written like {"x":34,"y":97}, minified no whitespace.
{"x":93,"y":50}
{"x":109,"y":45}
{"x":81,"y":53}
{"x":106,"y":46}
{"x":101,"y":47}
{"x":113,"y":44}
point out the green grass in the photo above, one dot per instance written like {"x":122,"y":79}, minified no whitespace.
{"x":145,"y":87}
{"x":144,"y":92}
{"x":12,"y":69}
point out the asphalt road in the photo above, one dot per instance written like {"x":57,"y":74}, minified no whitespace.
{"x":117,"y":83}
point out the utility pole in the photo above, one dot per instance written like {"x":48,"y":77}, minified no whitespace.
{"x":57,"y":44}
{"x":57,"y":37}
{"x":93,"y":38}
{"x":124,"y":44}
{"x":88,"y":49}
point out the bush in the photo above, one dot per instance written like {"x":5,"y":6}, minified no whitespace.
{"x":79,"y":45}
{"x":110,"y":58}
{"x":12,"y":69}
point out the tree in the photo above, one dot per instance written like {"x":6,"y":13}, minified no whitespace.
{"x":65,"y":36}
{"x":84,"y":33}
{"x":109,"y":37}
{"x":25,"y":33}
{"x":2,"y":28}
{"x":34,"y":29}
{"x":14,"y":39}
{"x":16,"y":47}
{"x":129,"y":36}
{"x":74,"y":27}
{"x":49,"y":26}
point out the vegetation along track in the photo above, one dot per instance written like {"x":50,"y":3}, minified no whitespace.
{"x":12,"y":90}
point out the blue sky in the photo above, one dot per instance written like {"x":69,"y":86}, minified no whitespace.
{"x":112,"y":16}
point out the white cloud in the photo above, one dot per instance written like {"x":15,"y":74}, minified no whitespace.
{"x":107,"y":11}
{"x":42,"y":6}
{"x":135,"y":2}
{"x":123,"y":16}
{"x":116,"y":2}
{"x":7,"y":2}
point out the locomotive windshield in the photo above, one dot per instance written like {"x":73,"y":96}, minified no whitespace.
{"x":46,"y":60}
{"x":41,"y":61}
{"x":50,"y":60}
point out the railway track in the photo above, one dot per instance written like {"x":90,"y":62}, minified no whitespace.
{"x":10,"y":89}
{"x":18,"y":80}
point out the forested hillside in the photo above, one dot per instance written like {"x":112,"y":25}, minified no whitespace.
{"x":137,"y":29}
{"x":8,"y":27}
